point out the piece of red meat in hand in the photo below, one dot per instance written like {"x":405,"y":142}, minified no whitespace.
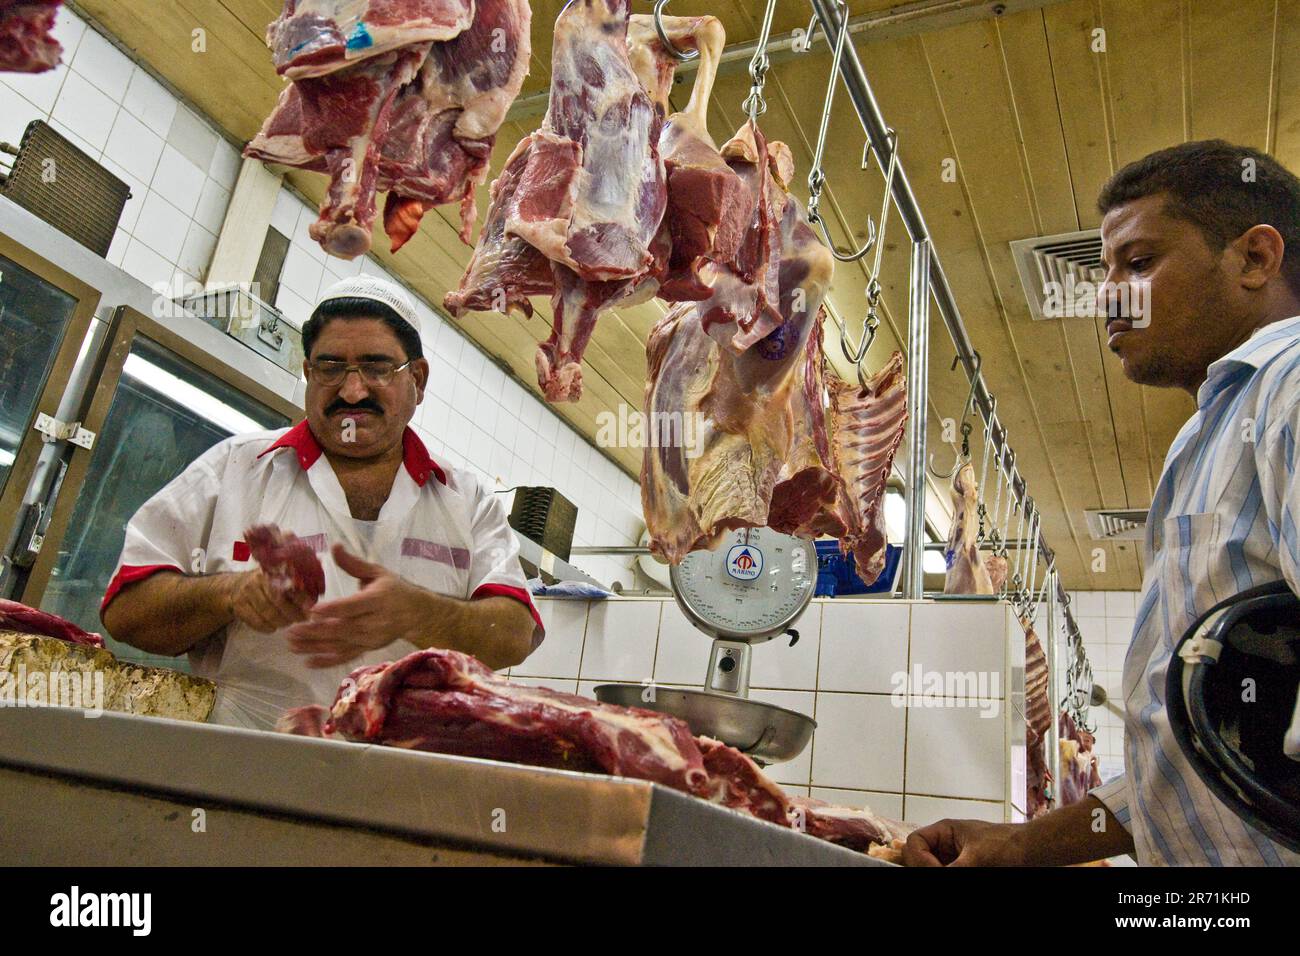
{"x":29,"y":620}
{"x":287,"y":560}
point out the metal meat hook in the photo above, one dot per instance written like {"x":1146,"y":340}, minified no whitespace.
{"x":663,"y":34}
{"x":964,"y":455}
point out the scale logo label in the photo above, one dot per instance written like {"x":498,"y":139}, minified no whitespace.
{"x":744,"y":562}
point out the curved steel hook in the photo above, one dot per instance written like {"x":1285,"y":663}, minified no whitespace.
{"x":663,"y":34}
{"x":965,"y":413}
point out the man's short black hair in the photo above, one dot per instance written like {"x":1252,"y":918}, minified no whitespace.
{"x":349,"y":307}
{"x":1221,"y":189}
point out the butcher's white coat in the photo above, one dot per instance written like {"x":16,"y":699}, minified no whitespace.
{"x":440,"y":529}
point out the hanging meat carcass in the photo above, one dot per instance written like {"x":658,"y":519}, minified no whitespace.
{"x":531,"y":243}
{"x":1079,"y":772}
{"x":967,"y":573}
{"x":1038,"y":720}
{"x":27,"y":43}
{"x":415,"y":112}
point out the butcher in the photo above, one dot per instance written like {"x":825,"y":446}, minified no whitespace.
{"x":1206,"y":237}
{"x":416,"y":553}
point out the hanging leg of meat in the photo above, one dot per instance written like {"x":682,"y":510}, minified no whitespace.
{"x":337,"y":124}
{"x":867,"y":428}
{"x":316,"y":37}
{"x":445,"y":123}
{"x":996,"y":565}
{"x":709,"y":206}
{"x":505,"y":270}
{"x":966,"y":571}
{"x":27,"y":43}
{"x":1038,"y":720}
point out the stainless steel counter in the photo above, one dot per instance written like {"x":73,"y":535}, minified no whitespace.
{"x":492,"y":809}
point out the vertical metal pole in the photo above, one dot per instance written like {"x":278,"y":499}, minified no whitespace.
{"x":918,"y":363}
{"x":1053,"y":675}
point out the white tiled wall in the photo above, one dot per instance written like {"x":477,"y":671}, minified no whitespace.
{"x":914,"y":762}
{"x":179,"y":168}
{"x":181,"y":172}
{"x":1106,"y":620}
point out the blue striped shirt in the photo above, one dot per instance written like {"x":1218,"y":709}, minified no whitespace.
{"x":1223,"y":519}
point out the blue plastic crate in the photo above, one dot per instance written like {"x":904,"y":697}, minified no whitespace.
{"x":837,"y":574}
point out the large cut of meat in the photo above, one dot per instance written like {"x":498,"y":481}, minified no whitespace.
{"x":316,"y":37}
{"x":287,"y":560}
{"x":857,"y":829}
{"x":966,"y":571}
{"x":30,"y":620}
{"x":417,"y":118}
{"x":27,"y":43}
{"x":1079,"y":772}
{"x":448,"y":702}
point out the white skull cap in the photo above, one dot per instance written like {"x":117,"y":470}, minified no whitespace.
{"x":377,"y":290}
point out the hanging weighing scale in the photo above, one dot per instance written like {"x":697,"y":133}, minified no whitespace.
{"x":748,"y":590}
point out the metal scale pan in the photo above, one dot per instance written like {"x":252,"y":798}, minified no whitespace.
{"x":748,"y":590}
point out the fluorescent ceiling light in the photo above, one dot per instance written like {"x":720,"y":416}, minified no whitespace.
{"x":6,"y":457}
{"x":933,"y":563}
{"x":190,"y":397}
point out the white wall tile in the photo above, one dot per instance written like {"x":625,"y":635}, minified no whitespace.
{"x":798,"y":770}
{"x":106,"y":67}
{"x":161,"y":226}
{"x":1119,"y":631}
{"x":959,"y":637}
{"x":40,"y":89}
{"x":149,"y":102}
{"x":86,"y":111}
{"x":561,"y":651}
{"x":621,"y":637}
{"x":956,"y":751}
{"x":225,"y":165}
{"x":858,"y":744}
{"x":15,"y":113}
{"x":134,"y":146}
{"x":550,"y":683}
{"x":923,"y":810}
{"x":146,"y":265}
{"x":775,"y":663}
{"x":683,"y":655}
{"x":193,"y":138}
{"x":69,"y":29}
{"x":1089,"y":604}
{"x":863,"y":646}
{"x":211,"y":210}
{"x":1121,"y":603}
{"x":178,"y":180}
{"x":196,"y":254}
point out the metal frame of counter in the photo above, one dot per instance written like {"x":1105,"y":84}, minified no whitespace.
{"x":500,"y":809}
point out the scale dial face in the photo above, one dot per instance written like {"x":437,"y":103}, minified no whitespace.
{"x":751,"y":587}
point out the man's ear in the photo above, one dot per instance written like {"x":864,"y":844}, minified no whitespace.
{"x":420,"y":372}
{"x":1261,"y":248}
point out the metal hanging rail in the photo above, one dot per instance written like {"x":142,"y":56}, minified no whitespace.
{"x":882,"y":142}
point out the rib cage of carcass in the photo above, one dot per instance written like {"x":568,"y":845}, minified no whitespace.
{"x":403,"y":96}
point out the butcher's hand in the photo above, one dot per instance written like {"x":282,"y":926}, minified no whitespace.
{"x":385,"y":609}
{"x":964,"y":843}
{"x":254,"y":601}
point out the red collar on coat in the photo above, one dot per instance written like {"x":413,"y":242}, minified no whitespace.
{"x":414,"y":455}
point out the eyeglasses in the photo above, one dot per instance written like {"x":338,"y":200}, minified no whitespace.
{"x":374,"y":374}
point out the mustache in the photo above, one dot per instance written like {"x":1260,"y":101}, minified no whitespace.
{"x":365,"y":405}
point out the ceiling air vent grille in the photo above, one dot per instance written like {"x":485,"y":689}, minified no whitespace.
{"x":1060,"y":273}
{"x":1117,"y":524}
